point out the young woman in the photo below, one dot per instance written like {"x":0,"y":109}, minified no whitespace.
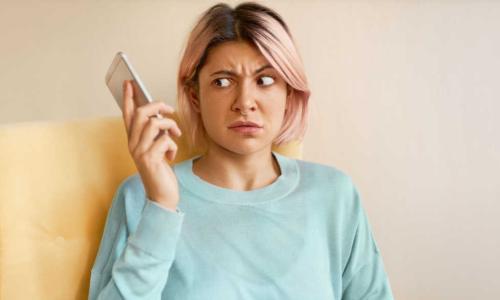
{"x":240,"y":221}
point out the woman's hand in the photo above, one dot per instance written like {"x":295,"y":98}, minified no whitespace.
{"x":148,"y":141}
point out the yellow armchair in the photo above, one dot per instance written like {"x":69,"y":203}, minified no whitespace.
{"x":57,"y":181}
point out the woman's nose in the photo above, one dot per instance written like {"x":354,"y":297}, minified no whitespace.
{"x":245,"y":99}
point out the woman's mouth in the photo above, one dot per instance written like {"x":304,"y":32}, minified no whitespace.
{"x":246,"y":129}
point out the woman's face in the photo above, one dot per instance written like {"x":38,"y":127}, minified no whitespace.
{"x":238,"y":84}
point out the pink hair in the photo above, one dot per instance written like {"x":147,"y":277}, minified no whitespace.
{"x":263,"y":28}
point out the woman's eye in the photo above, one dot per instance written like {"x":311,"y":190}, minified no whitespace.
{"x":268,"y":80}
{"x":224,"y":82}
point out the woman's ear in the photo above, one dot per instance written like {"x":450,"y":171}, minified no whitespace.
{"x":194,"y":99}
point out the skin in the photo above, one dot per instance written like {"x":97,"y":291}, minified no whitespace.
{"x":243,"y":161}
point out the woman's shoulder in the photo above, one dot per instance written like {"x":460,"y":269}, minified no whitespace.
{"x":131,"y":184}
{"x":324,"y":173}
{"x":129,"y":199}
{"x":336,"y":187}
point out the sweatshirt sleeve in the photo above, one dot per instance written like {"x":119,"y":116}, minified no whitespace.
{"x":364,"y":277}
{"x":133,"y":261}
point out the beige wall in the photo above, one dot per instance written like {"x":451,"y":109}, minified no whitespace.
{"x":403,"y":100}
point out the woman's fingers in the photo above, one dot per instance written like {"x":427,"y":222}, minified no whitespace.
{"x":162,"y":145}
{"x":128,"y":105}
{"x":141,"y":116}
{"x":152,"y":131}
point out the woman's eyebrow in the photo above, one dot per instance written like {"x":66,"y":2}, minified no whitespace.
{"x":229,"y":72}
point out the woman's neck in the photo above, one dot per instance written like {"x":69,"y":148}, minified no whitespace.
{"x":235,"y":171}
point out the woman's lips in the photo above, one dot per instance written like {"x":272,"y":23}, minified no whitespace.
{"x":246,"y":129}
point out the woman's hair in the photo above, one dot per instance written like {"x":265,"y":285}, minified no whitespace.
{"x":261,"y":27}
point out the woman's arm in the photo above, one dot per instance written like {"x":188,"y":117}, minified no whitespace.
{"x":364,"y":277}
{"x":134,"y":263}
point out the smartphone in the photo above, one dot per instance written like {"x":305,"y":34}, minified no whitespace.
{"x":120,"y":70}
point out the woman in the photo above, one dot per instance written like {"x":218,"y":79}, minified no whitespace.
{"x":240,"y":221}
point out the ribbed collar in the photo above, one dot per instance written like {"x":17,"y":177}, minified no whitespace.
{"x":279,"y":188}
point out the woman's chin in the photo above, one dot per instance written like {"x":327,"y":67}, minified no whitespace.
{"x":244,"y":147}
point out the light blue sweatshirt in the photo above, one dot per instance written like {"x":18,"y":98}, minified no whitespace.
{"x":304,"y":236}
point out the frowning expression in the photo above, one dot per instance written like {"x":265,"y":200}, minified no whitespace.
{"x":237,"y":83}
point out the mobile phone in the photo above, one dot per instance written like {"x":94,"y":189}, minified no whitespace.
{"x":120,"y":70}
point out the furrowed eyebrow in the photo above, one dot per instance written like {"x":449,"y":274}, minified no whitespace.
{"x":231,"y":73}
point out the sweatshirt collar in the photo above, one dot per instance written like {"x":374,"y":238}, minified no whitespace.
{"x":279,"y":188}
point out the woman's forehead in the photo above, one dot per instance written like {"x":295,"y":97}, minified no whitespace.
{"x":235,"y":56}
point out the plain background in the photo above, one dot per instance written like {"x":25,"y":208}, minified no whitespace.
{"x":404,"y":99}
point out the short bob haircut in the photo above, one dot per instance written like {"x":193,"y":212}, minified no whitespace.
{"x":263,"y":28}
